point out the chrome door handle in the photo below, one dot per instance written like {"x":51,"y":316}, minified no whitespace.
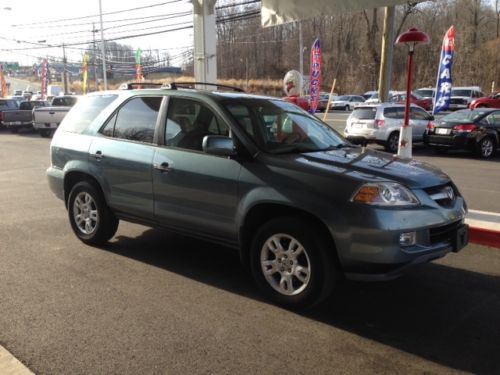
{"x":163,"y":167}
{"x":98,"y":155}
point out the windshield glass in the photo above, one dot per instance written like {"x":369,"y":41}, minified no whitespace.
{"x":461,"y":93}
{"x":465,"y":116}
{"x":280,"y":127}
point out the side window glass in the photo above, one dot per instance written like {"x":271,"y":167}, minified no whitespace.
{"x":188,"y":122}
{"x":136,"y":120}
{"x":390,"y":112}
{"x":109,"y":127}
{"x":418,"y":114}
{"x":493,"y":119}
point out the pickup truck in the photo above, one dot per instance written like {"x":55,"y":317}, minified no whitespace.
{"x":7,"y":105}
{"x":47,"y":119}
{"x":23,"y":117}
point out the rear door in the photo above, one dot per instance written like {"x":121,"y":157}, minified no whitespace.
{"x":122,"y":157}
{"x":419,"y":119}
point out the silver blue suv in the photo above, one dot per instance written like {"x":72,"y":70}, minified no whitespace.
{"x":301,"y":205}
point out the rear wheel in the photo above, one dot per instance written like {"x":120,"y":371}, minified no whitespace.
{"x":90,"y":217}
{"x":45,"y":133}
{"x":391,"y":145}
{"x":292,"y":264}
{"x":486,"y":147}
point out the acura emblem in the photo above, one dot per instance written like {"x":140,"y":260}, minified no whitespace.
{"x":448,"y":190}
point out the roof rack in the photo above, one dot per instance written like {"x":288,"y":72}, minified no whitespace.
{"x":139,"y":85}
{"x":176,"y":85}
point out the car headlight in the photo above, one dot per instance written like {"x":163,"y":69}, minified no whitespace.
{"x":387,"y":194}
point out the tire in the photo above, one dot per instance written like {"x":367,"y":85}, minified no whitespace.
{"x":347,"y":108}
{"x":91,"y":219}
{"x":486,"y":147}
{"x":14,"y":130}
{"x":45,"y":133}
{"x":293,"y":279}
{"x":391,"y":145}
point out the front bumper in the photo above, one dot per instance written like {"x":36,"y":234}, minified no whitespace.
{"x":370,"y":249}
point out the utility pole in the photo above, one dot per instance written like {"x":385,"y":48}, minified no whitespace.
{"x":94,"y":30}
{"x":386,"y":55}
{"x":301,"y":51}
{"x":103,"y":49}
{"x":65,"y":75}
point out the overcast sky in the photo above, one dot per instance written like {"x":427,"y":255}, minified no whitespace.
{"x":30,"y":24}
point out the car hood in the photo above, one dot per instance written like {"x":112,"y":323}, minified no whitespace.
{"x":375,"y":165}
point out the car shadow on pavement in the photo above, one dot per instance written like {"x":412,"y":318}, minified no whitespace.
{"x":445,"y":315}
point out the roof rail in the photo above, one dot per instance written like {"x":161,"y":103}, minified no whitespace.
{"x":139,"y":85}
{"x":175,"y":85}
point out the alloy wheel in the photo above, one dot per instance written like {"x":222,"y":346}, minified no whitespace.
{"x":285,"y":264}
{"x":85,"y":213}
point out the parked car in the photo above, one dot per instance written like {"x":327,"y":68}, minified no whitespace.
{"x":368,"y":94}
{"x":381,"y":123}
{"x":462,"y":97}
{"x":47,"y":119}
{"x":374,"y":99}
{"x":6,"y":105}
{"x":347,"y":102}
{"x":492,"y":101}
{"x":475,"y":130}
{"x":324,"y":97}
{"x":22,"y":117}
{"x":299,"y":204}
{"x":400,"y":97}
{"x":425,"y":93}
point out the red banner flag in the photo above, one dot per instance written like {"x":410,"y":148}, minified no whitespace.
{"x":315,"y":85}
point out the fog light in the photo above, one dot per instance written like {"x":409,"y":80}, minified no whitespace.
{"x":408,"y":239}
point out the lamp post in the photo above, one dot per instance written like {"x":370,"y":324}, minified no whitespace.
{"x":410,"y":38}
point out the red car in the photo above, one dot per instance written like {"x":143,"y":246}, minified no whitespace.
{"x":425,"y":103}
{"x":492,"y":101}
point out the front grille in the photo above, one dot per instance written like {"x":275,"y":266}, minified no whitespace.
{"x":443,"y":233}
{"x":458,"y":101}
{"x":444,"y":195}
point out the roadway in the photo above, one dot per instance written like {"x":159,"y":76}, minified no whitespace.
{"x":154,"y":302}
{"x":22,"y":84}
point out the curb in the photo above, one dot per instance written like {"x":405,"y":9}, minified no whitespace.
{"x":10,"y":365}
{"x":484,"y":228}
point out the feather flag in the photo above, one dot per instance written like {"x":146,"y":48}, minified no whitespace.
{"x":444,"y":80}
{"x":315,"y":85}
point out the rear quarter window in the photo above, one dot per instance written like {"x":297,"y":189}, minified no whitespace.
{"x":85,"y":111}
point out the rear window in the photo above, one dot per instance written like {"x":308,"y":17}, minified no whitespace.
{"x":8,"y":104}
{"x":85,"y":111}
{"x":364,"y":113}
{"x":465,"y":116}
{"x":64,"y":101}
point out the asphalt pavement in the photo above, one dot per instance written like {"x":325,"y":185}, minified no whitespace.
{"x":154,"y":302}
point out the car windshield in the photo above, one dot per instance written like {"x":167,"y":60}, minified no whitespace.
{"x":280,"y":127}
{"x":461,"y":93}
{"x":464,"y":116}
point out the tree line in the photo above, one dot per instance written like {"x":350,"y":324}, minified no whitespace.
{"x":351,"y":45}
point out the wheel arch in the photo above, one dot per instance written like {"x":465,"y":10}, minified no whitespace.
{"x":71,"y":178}
{"x":263,"y":212}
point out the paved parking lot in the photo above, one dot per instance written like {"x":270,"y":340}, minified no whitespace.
{"x":154,"y":302}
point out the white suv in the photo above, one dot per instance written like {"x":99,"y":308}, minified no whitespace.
{"x":380,"y":123}
{"x":461,"y":97}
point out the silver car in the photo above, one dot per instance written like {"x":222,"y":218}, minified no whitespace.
{"x":380,"y":123}
{"x":347,"y":102}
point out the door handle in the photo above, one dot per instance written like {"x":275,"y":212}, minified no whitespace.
{"x":98,"y":155}
{"x":163,"y":167}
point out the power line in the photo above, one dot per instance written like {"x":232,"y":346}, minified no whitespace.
{"x":97,"y":15}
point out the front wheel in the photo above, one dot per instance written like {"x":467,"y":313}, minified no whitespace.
{"x":347,"y":107}
{"x":486,"y":147}
{"x":292,"y":264}
{"x":91,"y":219}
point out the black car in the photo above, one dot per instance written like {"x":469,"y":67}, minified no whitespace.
{"x":476,"y":130}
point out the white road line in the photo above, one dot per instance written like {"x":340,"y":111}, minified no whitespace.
{"x":485,"y":213}
{"x":9,"y":365}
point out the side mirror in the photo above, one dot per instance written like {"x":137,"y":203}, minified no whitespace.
{"x":218,"y":145}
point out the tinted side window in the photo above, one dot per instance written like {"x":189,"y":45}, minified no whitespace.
{"x":418,"y":114}
{"x":494,"y":119}
{"x":188,"y":122}
{"x":394,"y":112}
{"x":136,"y":120}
